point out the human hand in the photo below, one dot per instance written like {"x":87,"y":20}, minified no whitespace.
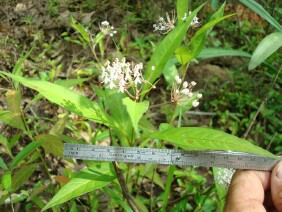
{"x":255,"y":191}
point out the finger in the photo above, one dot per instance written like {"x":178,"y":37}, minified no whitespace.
{"x":246,"y":191}
{"x":276,"y":186}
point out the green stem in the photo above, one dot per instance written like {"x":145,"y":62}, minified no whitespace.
{"x":167,"y":187}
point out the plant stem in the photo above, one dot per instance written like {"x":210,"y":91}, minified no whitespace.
{"x":167,"y":187}
{"x":124,"y":188}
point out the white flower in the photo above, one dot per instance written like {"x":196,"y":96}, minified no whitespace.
{"x":181,"y":93}
{"x":177,"y":79}
{"x":199,"y":95}
{"x":106,"y":29}
{"x":153,"y":68}
{"x":195,"y":103}
{"x":185,"y":91}
{"x":105,"y":23}
{"x":185,"y":84}
{"x":121,"y":75}
{"x":195,"y":22}
{"x":193,"y":83}
{"x":165,"y":26}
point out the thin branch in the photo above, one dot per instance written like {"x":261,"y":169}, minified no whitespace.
{"x":261,"y":105}
{"x":124,"y":188}
{"x":125,"y":191}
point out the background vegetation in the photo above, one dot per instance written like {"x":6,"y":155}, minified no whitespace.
{"x":36,"y":37}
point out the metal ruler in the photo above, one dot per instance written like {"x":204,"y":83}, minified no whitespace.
{"x":224,"y":159}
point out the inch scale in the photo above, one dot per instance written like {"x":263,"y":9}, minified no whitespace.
{"x":224,"y":159}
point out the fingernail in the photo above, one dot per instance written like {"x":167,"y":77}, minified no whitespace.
{"x":279,"y":172}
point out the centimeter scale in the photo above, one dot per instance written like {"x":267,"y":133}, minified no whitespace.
{"x":205,"y":158}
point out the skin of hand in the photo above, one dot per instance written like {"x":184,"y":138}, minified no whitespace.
{"x":255,"y":191}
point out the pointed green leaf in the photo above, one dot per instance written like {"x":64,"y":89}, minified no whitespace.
{"x":166,"y":49}
{"x":87,"y":180}
{"x":3,"y":164}
{"x":22,"y":176}
{"x":13,"y":99}
{"x":198,"y":138}
{"x":27,"y":150}
{"x":66,"y":98}
{"x":51,"y":144}
{"x":17,"y":69}
{"x":7,"y":180}
{"x":79,"y":28}
{"x":135,"y":111}
{"x":266,"y":48}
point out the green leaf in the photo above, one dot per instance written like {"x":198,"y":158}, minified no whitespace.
{"x":170,"y":70}
{"x":17,"y":68}
{"x":3,"y":164}
{"x":79,"y":28}
{"x":166,"y":48}
{"x":51,"y":144}
{"x":182,"y":8}
{"x":59,"y":127}
{"x":214,"y":52}
{"x":22,"y":176}
{"x":27,"y":150}
{"x":255,"y":6}
{"x":14,"y":117}
{"x":135,"y":111}
{"x":4,"y":141}
{"x":7,"y":180}
{"x":197,"y":42}
{"x":113,"y":101}
{"x":265,"y":48}
{"x":198,"y":138}
{"x":89,"y":179}
{"x":66,"y":98}
{"x":183,"y":54}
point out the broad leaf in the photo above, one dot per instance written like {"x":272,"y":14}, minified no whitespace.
{"x":166,"y":49}
{"x":198,"y":138}
{"x":27,"y":150}
{"x":265,"y":48}
{"x":66,"y":98}
{"x":135,"y":111}
{"x":51,"y":144}
{"x":87,"y":180}
{"x":13,"y":116}
{"x":113,"y":101}
{"x":7,"y":180}
{"x":22,"y":176}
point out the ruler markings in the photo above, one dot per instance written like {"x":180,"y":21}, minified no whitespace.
{"x":206,"y":158}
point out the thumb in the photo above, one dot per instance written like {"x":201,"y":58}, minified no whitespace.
{"x":276,"y":186}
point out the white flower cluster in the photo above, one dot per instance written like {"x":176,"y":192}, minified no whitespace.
{"x":107,"y":29}
{"x":122,"y":75}
{"x":224,"y":176}
{"x":165,"y":26}
{"x":195,"y":22}
{"x":182,"y":92}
